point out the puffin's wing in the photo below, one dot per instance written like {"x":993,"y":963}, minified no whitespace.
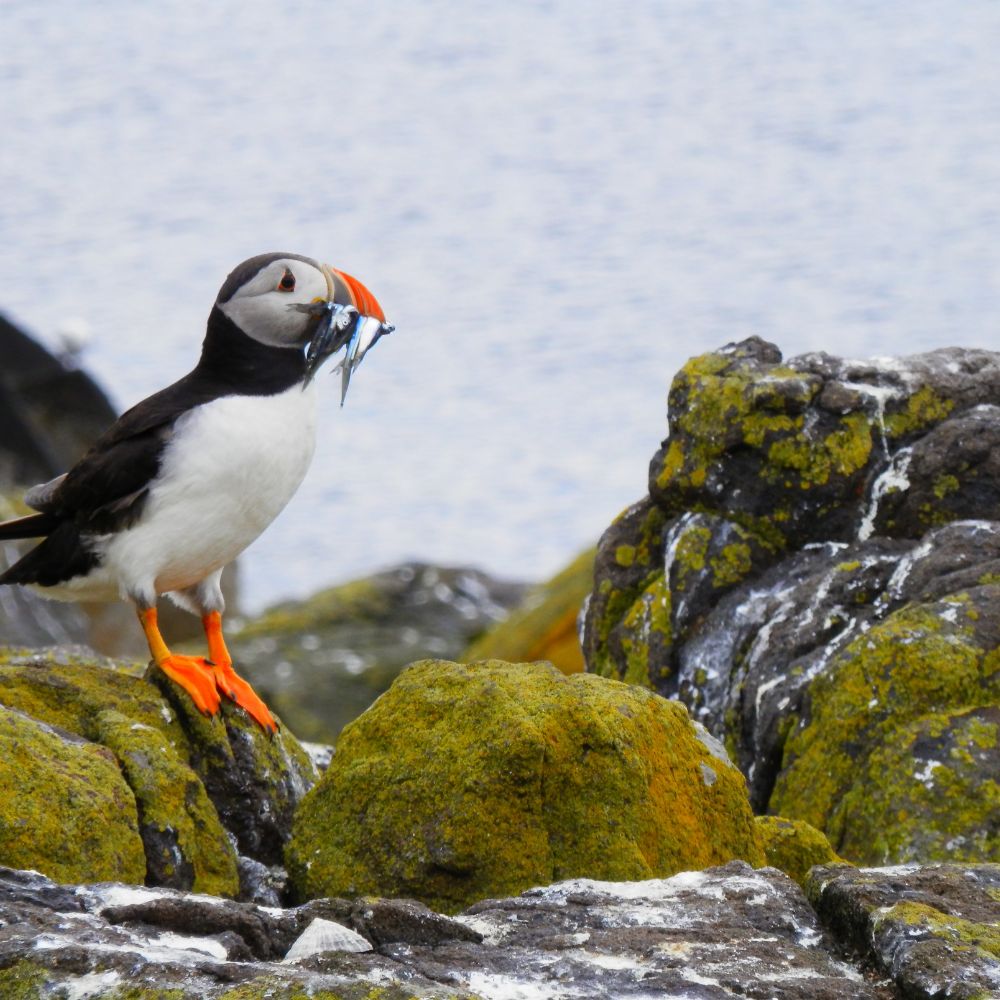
{"x":106,"y":489}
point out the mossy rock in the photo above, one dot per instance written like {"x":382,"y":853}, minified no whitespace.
{"x":544,"y":627}
{"x":472,"y":780}
{"x":794,"y":846}
{"x":899,"y":759}
{"x":67,"y":812}
{"x":189,"y":779}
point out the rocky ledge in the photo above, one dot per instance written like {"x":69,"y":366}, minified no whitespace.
{"x":723,"y":932}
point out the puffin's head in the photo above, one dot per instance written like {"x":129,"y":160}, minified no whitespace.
{"x":271,"y":297}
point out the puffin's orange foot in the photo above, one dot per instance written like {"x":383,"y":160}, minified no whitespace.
{"x":194,"y":674}
{"x":238,"y":690}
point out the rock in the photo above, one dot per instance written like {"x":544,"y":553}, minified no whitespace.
{"x":190,"y":786}
{"x":544,"y":625}
{"x":66,"y":809}
{"x":703,"y":936}
{"x":323,"y":661}
{"x":814,"y":574}
{"x":50,"y":411}
{"x":465,"y":781}
{"x":899,"y":755}
{"x":793,"y":846}
{"x":935,"y":929}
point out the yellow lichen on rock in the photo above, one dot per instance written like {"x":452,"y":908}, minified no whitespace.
{"x":477,"y":780}
{"x":794,"y":846}
{"x":887,"y":765}
{"x":66,"y":810}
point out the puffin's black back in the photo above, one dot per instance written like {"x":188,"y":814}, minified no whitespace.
{"x":107,"y":489}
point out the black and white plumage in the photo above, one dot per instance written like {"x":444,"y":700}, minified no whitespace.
{"x":188,"y":478}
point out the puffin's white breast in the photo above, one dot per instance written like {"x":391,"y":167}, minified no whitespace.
{"x":227,"y":471}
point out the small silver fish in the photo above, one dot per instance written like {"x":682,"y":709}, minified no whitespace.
{"x":366,"y":333}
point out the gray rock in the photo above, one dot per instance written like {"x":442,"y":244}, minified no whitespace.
{"x":725,"y":932}
{"x":935,"y":930}
{"x":802,"y":518}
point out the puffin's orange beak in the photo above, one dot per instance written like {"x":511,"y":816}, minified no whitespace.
{"x":350,"y":291}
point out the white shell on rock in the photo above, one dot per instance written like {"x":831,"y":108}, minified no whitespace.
{"x":325,"y":935}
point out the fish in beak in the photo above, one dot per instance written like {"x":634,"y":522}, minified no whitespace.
{"x":350,"y":317}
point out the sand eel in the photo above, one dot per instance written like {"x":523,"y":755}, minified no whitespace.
{"x":183,"y":482}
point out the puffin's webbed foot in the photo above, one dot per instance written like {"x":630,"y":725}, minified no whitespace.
{"x":236,"y":689}
{"x":195,"y":675}
{"x":228,"y":681}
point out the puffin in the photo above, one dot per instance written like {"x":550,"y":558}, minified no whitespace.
{"x":185,"y":480}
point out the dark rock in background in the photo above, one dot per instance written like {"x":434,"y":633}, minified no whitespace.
{"x":50,"y":410}
{"x":321,"y":662}
{"x":815,"y":574}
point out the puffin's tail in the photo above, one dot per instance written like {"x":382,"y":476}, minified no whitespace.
{"x":32,"y":526}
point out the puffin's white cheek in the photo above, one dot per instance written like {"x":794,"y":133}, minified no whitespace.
{"x":269,"y":319}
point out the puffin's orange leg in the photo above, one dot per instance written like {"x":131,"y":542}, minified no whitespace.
{"x":227,"y":680}
{"x":193,"y":673}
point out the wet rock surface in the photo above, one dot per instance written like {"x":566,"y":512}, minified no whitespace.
{"x":821,"y":543}
{"x":321,"y":662}
{"x":729,"y":931}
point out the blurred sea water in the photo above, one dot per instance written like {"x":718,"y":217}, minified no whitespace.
{"x":556,"y":203}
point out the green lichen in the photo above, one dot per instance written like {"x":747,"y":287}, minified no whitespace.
{"x":945,"y":484}
{"x":66,"y":811}
{"x":23,"y":981}
{"x":732,"y":565}
{"x":851,"y":772}
{"x":961,"y":935}
{"x":798,"y":460}
{"x":625,"y":555}
{"x":646,"y":633}
{"x":794,"y":847}
{"x":469,"y":781}
{"x":921,"y":410}
{"x":618,"y":591}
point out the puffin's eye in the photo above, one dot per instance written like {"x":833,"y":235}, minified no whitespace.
{"x":287,"y":283}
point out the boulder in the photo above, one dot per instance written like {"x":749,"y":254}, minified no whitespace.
{"x":728,"y":931}
{"x":322,"y":661}
{"x":814,"y":574}
{"x":50,"y":410}
{"x":794,"y":846}
{"x":66,"y":810}
{"x":545,"y":625}
{"x":190,"y":787}
{"x":470,"y":780}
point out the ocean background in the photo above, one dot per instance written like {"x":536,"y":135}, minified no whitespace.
{"x":555,"y":203}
